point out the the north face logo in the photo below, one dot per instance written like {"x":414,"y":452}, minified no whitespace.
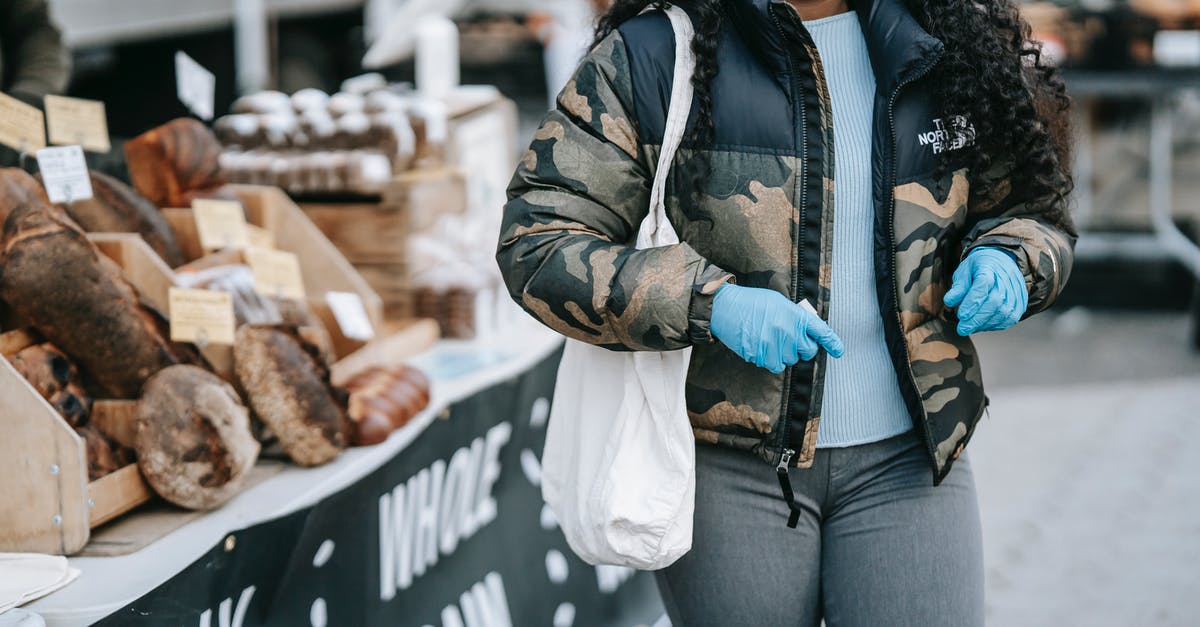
{"x":961,"y":133}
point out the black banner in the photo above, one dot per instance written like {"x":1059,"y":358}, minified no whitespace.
{"x":451,"y":532}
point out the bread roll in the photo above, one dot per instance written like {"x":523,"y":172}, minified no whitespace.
{"x":170,"y":164}
{"x":116,"y":208}
{"x":52,"y":276}
{"x":395,"y":394}
{"x":287,"y":385}
{"x":55,"y":379}
{"x":194,"y":444}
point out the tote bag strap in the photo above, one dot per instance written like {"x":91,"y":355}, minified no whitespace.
{"x":656,"y":229}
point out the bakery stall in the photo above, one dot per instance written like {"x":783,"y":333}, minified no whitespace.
{"x":225,"y":407}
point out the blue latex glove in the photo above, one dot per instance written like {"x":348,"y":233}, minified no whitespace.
{"x":765,"y":328}
{"x":988,"y":290}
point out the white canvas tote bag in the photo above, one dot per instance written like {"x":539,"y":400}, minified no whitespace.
{"x":618,"y":469}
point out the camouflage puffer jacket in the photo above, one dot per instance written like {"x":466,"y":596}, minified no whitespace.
{"x":764,"y":218}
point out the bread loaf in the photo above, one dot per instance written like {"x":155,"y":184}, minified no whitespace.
{"x":287,"y":385}
{"x":194,"y":444}
{"x":395,"y":395}
{"x":117,"y":208}
{"x":52,"y":276}
{"x":297,"y":313}
{"x":56,"y":379}
{"x":18,"y":187}
{"x":103,"y":455}
{"x":173,"y":163}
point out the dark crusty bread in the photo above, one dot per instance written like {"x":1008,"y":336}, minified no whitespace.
{"x":287,"y":385}
{"x":194,"y":444}
{"x":297,"y":313}
{"x":116,"y":208}
{"x":18,"y":187}
{"x":56,"y":379}
{"x":171,"y":163}
{"x":52,"y":276}
{"x":103,"y":455}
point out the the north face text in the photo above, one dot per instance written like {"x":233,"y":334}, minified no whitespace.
{"x":961,"y":133}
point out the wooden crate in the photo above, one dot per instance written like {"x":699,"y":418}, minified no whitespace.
{"x":323,"y":267}
{"x":47,"y":504}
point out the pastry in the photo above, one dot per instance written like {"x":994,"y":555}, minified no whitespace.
{"x":194,"y":444}
{"x":395,"y":395}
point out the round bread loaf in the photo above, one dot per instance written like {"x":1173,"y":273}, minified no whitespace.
{"x":194,"y":444}
{"x":287,"y":384}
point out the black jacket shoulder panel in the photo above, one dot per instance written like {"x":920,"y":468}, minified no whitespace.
{"x":751,"y":112}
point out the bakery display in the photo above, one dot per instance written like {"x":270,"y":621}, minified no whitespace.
{"x":194,"y":444}
{"x":53,"y":277}
{"x":116,"y":208}
{"x":286,"y":382}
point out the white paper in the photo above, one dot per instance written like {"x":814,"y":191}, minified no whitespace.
{"x":351,"y":315}
{"x":195,"y":86}
{"x":64,"y":173}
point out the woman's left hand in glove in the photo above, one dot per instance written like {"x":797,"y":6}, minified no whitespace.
{"x":988,"y":290}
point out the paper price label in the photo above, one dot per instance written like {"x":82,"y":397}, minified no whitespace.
{"x":194,"y":85}
{"x":220,"y":224}
{"x":276,"y":273}
{"x":77,"y":121}
{"x":260,"y":237}
{"x":200,"y":316}
{"x":21,"y":126}
{"x":64,"y":174}
{"x":351,"y":315}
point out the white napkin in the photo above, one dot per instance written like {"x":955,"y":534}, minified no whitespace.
{"x":28,"y":576}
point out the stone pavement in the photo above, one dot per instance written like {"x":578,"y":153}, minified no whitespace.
{"x":1088,"y":469}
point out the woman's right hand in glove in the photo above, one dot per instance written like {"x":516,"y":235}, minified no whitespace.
{"x":767,"y":329}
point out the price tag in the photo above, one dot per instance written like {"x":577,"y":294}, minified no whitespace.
{"x":276,"y":272}
{"x":220,"y":224}
{"x":260,"y":237}
{"x":200,"y":316}
{"x":194,"y":85}
{"x":77,"y":121}
{"x":351,"y":315}
{"x":64,"y":174}
{"x":21,"y":126}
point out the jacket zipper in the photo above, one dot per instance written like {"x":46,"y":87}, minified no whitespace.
{"x":892,"y":245}
{"x":786,"y":453}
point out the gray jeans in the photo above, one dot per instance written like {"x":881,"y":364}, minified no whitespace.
{"x":877,"y":544}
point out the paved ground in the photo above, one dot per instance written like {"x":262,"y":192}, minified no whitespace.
{"x":1089,"y":472}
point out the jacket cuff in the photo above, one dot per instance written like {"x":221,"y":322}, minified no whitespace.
{"x":1014,"y":247}
{"x":704,"y":290}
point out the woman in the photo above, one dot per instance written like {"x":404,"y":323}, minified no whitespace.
{"x":900,"y":164}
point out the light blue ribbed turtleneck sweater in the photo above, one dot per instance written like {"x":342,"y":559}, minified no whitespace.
{"x":862,"y":400}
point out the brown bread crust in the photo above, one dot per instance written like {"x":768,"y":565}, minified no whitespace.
{"x":396,"y":394}
{"x":54,"y":377}
{"x":172,"y":162}
{"x":287,"y":385}
{"x":52,"y":276}
{"x":194,"y":444}
{"x":18,"y":187}
{"x":117,"y":208}
{"x":103,"y":456}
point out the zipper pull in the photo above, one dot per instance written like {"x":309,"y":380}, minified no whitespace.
{"x":785,"y":484}
{"x":785,"y":458}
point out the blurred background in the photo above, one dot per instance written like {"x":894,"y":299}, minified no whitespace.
{"x":1095,"y":522}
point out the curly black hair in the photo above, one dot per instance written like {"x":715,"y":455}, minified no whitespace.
{"x":991,"y":72}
